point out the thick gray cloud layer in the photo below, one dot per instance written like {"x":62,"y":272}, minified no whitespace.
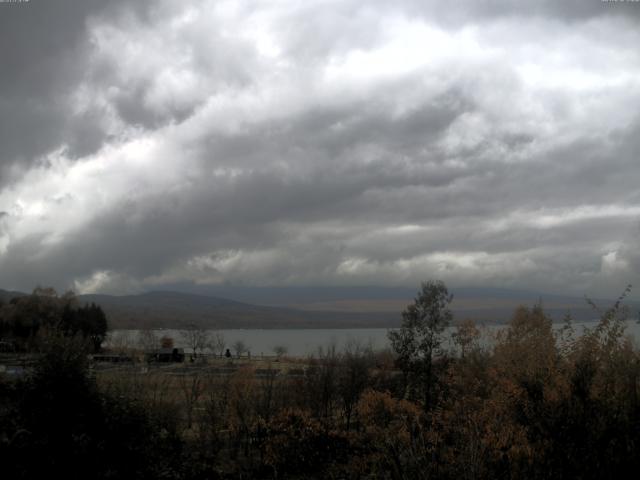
{"x":275,"y":143}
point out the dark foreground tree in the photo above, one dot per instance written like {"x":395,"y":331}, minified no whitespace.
{"x":419,"y":338}
{"x":57,"y":424}
{"x":88,"y":321}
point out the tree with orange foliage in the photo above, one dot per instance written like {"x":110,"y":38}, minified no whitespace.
{"x":394,"y":437}
{"x":466,"y":336}
{"x":300,"y":445}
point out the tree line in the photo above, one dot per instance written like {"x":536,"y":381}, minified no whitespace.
{"x":537,"y":402}
{"x":26,"y":321}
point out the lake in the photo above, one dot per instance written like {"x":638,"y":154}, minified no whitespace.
{"x":303,"y":342}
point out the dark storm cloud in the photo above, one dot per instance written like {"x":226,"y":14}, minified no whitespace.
{"x":43,"y":58}
{"x":343,"y":143}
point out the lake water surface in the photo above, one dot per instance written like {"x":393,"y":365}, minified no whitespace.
{"x":303,"y":342}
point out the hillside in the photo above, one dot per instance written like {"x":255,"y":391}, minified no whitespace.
{"x":382,"y":305}
{"x":334,"y":307}
{"x":175,"y":309}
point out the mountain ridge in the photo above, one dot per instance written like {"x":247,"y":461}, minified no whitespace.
{"x":332,"y":307}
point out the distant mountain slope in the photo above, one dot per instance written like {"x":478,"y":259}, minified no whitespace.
{"x":277,"y":296}
{"x":175,"y":309}
{"x":329,"y":307}
{"x":6,"y":295}
{"x":491,"y":305}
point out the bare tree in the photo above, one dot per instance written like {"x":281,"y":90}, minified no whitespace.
{"x":280,"y":350}
{"x":321,"y":381}
{"x":192,"y":386}
{"x":242,"y":406}
{"x":239,"y":347}
{"x":218,"y":343}
{"x":196,"y":338}
{"x":215,"y":404}
{"x":267,"y":393}
{"x":148,"y":340}
{"x":353,"y":377}
{"x":120,"y":342}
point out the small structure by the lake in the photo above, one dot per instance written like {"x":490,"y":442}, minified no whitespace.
{"x":166,"y":355}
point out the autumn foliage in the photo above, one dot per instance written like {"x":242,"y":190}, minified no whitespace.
{"x":532,"y":401}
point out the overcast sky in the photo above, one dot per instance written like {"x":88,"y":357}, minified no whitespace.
{"x":485,"y":143}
